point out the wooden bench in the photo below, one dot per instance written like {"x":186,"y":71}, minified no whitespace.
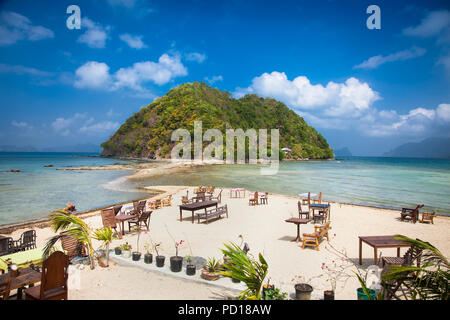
{"x":212,"y":213}
{"x":312,"y":239}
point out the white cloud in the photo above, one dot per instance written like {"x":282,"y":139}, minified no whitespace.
{"x":21,"y":70}
{"x":213,"y":79}
{"x":431,"y":25}
{"x":133,"y":41}
{"x":95,"y":36}
{"x":21,"y":124}
{"x":350,"y":98}
{"x":376,"y":61}
{"x":100,"y":127}
{"x":443,"y":112}
{"x":195,"y":56}
{"x":92,"y":75}
{"x":64,"y":126}
{"x":96,"y":75}
{"x":15,"y":27}
{"x":160,"y":73}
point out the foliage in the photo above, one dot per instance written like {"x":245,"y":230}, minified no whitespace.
{"x":126,"y":246}
{"x":148,"y":132}
{"x":241,"y":267}
{"x":275,"y":294}
{"x":429,"y":281}
{"x":104,"y":234}
{"x":212,"y":265}
{"x":69,"y":225}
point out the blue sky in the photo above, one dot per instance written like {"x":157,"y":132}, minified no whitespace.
{"x":369,"y":90}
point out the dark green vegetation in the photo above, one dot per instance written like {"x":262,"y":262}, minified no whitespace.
{"x":147,"y":133}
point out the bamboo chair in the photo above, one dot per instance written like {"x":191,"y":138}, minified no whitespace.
{"x":53,"y":280}
{"x":428,"y":217}
{"x":253,"y":201}
{"x":167,"y":202}
{"x":313,"y":239}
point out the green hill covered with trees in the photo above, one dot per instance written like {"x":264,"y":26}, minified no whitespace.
{"x":147,"y":134}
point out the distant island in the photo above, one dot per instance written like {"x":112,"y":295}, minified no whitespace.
{"x":85,"y":147}
{"x":147,"y":134}
{"x":429,"y":148}
{"x":343,"y":152}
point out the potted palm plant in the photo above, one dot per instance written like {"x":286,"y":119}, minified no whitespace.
{"x":136,"y":254}
{"x":159,"y":258}
{"x":126,"y":250}
{"x":118,"y":250}
{"x":211,"y":270}
{"x":246,"y":269}
{"x":176,"y":262}
{"x":106,"y":235}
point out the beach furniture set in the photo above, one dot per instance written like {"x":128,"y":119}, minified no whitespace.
{"x":412,"y":214}
{"x":258,"y":198}
{"x":26,"y":241}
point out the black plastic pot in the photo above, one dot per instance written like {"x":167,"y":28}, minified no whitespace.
{"x":303,"y":291}
{"x":190,"y":269}
{"x":176,"y":263}
{"x":136,"y":256}
{"x":235,"y":280}
{"x":328,"y":295}
{"x":118,"y":251}
{"x":160,"y":261}
{"x":148,"y":258}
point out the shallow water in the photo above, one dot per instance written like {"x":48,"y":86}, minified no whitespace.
{"x":36,"y":191}
{"x":381,"y":182}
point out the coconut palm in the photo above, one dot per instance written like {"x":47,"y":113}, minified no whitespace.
{"x":241,"y":267}
{"x":430,"y":280}
{"x":69,"y":225}
{"x":107,"y":236}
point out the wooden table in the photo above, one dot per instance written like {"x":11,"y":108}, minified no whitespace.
{"x":26,"y":277}
{"x":378,"y":242}
{"x":298,"y":222}
{"x":321,"y":206}
{"x":121,"y":218}
{"x":197,"y":206}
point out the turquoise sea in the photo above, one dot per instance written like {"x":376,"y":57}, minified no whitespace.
{"x":382,"y":182}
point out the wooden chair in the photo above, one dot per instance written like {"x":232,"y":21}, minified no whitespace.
{"x":264,"y":199}
{"x":320,"y":215}
{"x":302,"y":213}
{"x":144,"y":218}
{"x":6,"y":246}
{"x":428,"y":217}
{"x":218,"y":197}
{"x":167,"y":202}
{"x":319,"y":198}
{"x":27,"y":241}
{"x":109,"y":219}
{"x":73,"y":248}
{"x":253,"y":201}
{"x":5,"y":289}
{"x":312,"y":239}
{"x":117,"y":209}
{"x":307,"y":201}
{"x":410,"y":214}
{"x":54,"y":279}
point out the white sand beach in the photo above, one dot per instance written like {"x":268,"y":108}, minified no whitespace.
{"x":264,"y":228}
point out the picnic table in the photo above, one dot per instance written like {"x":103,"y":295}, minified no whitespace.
{"x":121,"y":218}
{"x":298,"y":222}
{"x":26,"y":277}
{"x":197,"y":206}
{"x":378,"y":242}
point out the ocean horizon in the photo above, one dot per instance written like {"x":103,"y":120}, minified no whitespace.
{"x":382,"y":182}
